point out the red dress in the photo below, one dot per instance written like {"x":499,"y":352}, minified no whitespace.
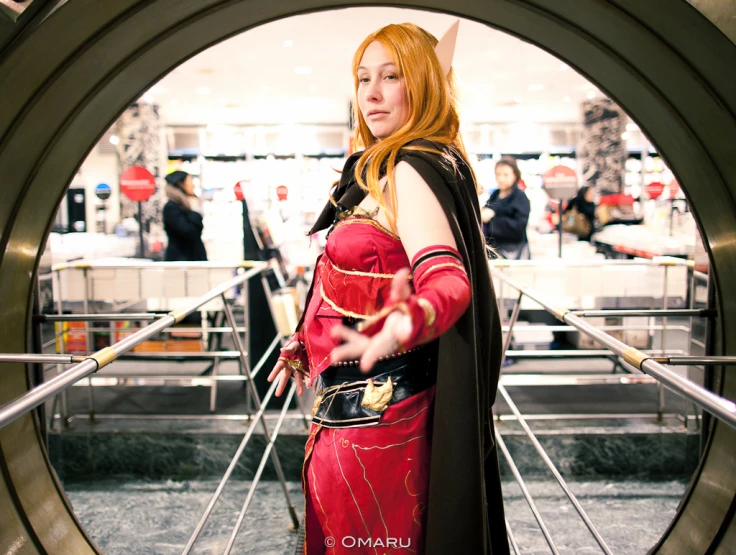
{"x":365,"y":487}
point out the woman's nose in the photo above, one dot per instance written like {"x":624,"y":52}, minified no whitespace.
{"x":373,"y":92}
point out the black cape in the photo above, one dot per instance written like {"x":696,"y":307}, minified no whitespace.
{"x":465,"y":499}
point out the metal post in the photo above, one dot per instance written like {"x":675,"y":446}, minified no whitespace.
{"x":512,"y":539}
{"x":213,"y":385}
{"x":560,"y":480}
{"x":501,"y":302}
{"x":559,"y":228}
{"x":90,"y":345}
{"x":527,"y":495}
{"x":660,"y":387}
{"x":252,"y":386}
{"x":141,"y":249}
{"x":259,"y":472}
{"x":64,"y":411}
{"x":510,"y":333}
{"x":228,"y":472}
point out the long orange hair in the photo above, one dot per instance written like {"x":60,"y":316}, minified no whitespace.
{"x":432,"y":108}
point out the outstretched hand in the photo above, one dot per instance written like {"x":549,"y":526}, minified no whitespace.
{"x":283,"y":372}
{"x":396,"y":330}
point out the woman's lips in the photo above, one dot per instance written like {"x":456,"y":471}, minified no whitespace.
{"x":376,"y":114}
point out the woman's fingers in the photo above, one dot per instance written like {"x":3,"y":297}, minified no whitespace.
{"x":291,"y":347}
{"x":280,"y":365}
{"x":354,"y":344}
{"x":400,"y":288}
{"x":284,"y":380}
{"x":299,"y":383}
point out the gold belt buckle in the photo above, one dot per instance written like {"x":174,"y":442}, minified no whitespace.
{"x":377,"y":398}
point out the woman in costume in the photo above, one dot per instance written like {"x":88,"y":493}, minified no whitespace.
{"x":506,"y":214}
{"x":400,"y":333}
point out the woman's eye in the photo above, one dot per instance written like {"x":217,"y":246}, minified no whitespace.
{"x":363,"y":79}
{"x":391,"y":76}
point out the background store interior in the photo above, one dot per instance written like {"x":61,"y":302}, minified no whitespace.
{"x":278,"y":125}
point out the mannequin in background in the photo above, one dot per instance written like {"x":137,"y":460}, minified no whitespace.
{"x":506,"y":214}
{"x":183,"y":220}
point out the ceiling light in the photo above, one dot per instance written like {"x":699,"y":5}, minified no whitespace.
{"x":567,"y":99}
{"x":591,"y":95}
{"x":302,"y":70}
{"x":631,"y":127}
{"x":536,"y":87}
{"x":313,"y":88}
{"x":564,"y":67}
{"x":148,"y":98}
{"x":203,"y":90}
{"x":288,"y":43}
{"x":625,"y":136}
{"x":518,"y":99}
{"x":175,"y":101}
{"x":114,"y":139}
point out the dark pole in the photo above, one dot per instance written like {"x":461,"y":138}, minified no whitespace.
{"x":559,"y":228}
{"x":141,"y":250}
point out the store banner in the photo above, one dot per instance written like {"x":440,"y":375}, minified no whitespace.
{"x":602,"y":153}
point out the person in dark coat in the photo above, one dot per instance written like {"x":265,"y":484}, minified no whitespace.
{"x":506,"y":214}
{"x":183,"y":220}
{"x":584,"y":204}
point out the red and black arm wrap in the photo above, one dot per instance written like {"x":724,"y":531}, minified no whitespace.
{"x":441,"y":296}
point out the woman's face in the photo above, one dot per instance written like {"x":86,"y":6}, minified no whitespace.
{"x":505,"y":177}
{"x":589,"y":195}
{"x":188,"y":185}
{"x":381,"y":93}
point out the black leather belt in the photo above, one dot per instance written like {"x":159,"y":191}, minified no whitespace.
{"x":349,"y":398}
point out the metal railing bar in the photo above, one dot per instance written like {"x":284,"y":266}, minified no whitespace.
{"x":671,"y":312}
{"x":519,"y":329}
{"x":512,"y":539}
{"x":560,"y":480}
{"x":182,"y":354}
{"x":557,"y":263}
{"x":229,"y":470}
{"x":527,"y":495}
{"x":256,"y":401}
{"x":601,"y":416}
{"x":31,"y":399}
{"x":194,"y":265}
{"x":521,"y":380}
{"x":259,"y":471}
{"x":720,"y":407}
{"x":512,"y":322}
{"x":34,"y":358}
{"x":102,"y":317}
{"x":696,"y":360}
{"x":582,"y":353}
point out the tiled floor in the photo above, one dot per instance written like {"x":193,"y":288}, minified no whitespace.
{"x":135,"y":518}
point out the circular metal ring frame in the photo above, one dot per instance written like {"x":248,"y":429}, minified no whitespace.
{"x":69,"y":69}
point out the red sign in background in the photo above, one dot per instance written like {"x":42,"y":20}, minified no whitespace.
{"x":137,"y":183}
{"x":560,"y":175}
{"x":654,"y":189}
{"x":282,"y":191}
{"x":239,"y":190}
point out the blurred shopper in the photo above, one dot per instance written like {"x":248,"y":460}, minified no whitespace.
{"x":183,"y":220}
{"x":579,"y":215}
{"x":506,"y":214}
